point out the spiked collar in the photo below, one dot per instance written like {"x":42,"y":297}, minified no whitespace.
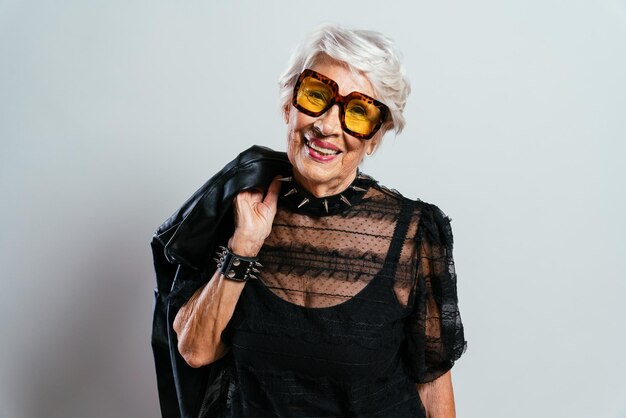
{"x":296,"y":198}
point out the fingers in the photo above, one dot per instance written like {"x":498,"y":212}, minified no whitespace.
{"x":271,"y":198}
{"x":248,"y":198}
{"x":251,"y":194}
{"x":254,"y":214}
{"x":247,"y":201}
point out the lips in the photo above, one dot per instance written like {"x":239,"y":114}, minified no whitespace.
{"x":321,"y":150}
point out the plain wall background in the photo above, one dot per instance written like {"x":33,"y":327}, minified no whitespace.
{"x":112,"y":113}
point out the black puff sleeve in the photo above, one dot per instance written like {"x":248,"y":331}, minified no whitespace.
{"x":434,"y":331}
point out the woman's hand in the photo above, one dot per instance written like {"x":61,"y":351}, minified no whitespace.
{"x":253,"y":219}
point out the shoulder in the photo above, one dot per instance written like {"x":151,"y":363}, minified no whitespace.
{"x":420,"y":205}
{"x":432,"y":221}
{"x":259,"y":151}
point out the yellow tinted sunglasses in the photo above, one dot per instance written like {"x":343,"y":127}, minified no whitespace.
{"x":361,"y":116}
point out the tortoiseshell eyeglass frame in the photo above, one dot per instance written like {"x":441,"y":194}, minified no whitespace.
{"x":340,"y":100}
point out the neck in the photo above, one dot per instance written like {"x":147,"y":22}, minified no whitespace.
{"x":324,"y":189}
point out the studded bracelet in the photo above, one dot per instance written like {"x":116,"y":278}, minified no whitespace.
{"x":236,"y":267}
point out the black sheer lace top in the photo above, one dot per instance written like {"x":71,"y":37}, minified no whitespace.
{"x":355,"y":304}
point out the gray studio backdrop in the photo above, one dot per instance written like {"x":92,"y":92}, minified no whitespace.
{"x":113,"y":112}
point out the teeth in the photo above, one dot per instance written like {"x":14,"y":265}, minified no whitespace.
{"x":323,"y":151}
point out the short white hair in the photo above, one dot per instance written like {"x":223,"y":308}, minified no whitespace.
{"x":368,"y":52}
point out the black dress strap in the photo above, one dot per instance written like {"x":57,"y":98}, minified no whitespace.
{"x":399,"y":235}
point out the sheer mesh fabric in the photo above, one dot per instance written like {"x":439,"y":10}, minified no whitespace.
{"x":434,"y":330}
{"x":322,"y":262}
{"x":351,"y":310}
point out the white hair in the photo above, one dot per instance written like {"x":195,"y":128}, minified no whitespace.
{"x":368,"y":52}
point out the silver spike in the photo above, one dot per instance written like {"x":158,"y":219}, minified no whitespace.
{"x":290,"y":192}
{"x":217,"y":260}
{"x":258,"y":264}
{"x":325,"y":203}
{"x":252,"y":276}
{"x":255,"y":270}
{"x":304,"y":202}
{"x":344,"y":200}
{"x":363,"y":176}
{"x":358,"y":189}
{"x":223,"y":248}
{"x":285,"y":178}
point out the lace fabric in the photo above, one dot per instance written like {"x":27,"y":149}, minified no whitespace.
{"x":351,"y":310}
{"x":321,"y":262}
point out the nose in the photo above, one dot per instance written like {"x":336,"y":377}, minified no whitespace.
{"x":329,"y":122}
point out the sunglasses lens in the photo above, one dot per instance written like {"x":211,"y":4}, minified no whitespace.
{"x":313,"y":95}
{"x":362,"y":116}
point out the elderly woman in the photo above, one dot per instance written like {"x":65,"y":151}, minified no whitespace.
{"x":332,"y":295}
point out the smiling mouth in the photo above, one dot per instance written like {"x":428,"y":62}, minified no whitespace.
{"x":320,"y":150}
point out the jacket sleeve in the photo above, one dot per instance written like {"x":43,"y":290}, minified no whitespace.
{"x":183,"y":390}
{"x":165,"y":273}
{"x":182,"y":249}
{"x":434,"y":331}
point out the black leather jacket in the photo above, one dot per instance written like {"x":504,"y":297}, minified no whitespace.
{"x":183,"y":248}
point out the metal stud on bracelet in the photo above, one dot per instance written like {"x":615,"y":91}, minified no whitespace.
{"x":236,"y":267}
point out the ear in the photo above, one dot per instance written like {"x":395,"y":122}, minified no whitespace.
{"x":286,"y":110}
{"x":372,"y":144}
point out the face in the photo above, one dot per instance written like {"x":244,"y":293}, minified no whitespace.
{"x":325,"y":158}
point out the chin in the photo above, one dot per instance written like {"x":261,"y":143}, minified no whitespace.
{"x":313,"y":172}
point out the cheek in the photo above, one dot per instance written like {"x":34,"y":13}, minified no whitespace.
{"x":292,"y":127}
{"x":290,"y":146}
{"x":291,"y":131}
{"x":357,"y":149}
{"x":294,"y":145}
{"x":297,"y":125}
